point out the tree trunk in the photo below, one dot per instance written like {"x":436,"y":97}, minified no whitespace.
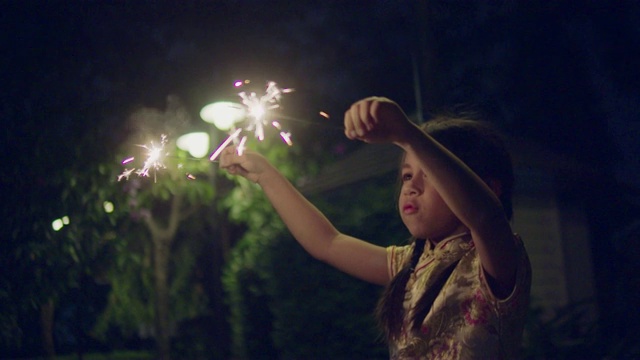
{"x":162,"y":237}
{"x":163,"y":324}
{"x":46,"y":322}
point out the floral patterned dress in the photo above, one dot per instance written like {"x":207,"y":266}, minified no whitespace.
{"x":466,"y":320}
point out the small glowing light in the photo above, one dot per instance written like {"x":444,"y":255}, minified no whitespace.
{"x":324,"y":114}
{"x":127,"y":160}
{"x":223,"y":114}
{"x":286,"y":137}
{"x":125,"y":174}
{"x":197,"y":144}
{"x":108,"y":207}
{"x":57,"y":224}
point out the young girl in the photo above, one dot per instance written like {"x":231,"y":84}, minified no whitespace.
{"x":460,"y":289}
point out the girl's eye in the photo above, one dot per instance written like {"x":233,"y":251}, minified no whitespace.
{"x":406,"y":177}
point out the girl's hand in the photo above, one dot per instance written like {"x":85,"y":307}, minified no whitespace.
{"x":249,"y":165}
{"x":375,"y":120}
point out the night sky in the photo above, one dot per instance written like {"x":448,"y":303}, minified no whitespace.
{"x":504,"y":57}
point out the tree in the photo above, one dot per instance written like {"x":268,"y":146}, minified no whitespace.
{"x":162,"y":202}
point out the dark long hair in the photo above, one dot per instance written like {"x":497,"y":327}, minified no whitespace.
{"x":482,"y":149}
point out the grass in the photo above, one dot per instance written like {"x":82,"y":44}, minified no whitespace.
{"x":116,"y":355}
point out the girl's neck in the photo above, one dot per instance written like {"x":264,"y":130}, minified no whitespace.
{"x":457,"y":234}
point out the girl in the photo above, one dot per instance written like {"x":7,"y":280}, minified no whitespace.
{"x":460,"y":289}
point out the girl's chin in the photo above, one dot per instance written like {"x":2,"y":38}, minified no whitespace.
{"x":420,"y":234}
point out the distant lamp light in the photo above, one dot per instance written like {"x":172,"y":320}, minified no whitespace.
{"x":223,"y":114}
{"x":108,"y":207}
{"x":57,"y":224}
{"x":196,"y":143}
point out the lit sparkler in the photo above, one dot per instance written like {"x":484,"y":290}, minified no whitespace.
{"x":154,"y":161}
{"x":257,"y":110}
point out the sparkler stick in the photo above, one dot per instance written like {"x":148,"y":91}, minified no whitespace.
{"x":224,"y":144}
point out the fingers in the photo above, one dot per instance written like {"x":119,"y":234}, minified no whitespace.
{"x":236,"y":170}
{"x":228,"y":158}
{"x":362,"y":117}
{"x":232,"y":162}
{"x":249,"y":165}
{"x":357,"y":120}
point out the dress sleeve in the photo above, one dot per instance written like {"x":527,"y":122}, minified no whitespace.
{"x":522,"y":285}
{"x":396,"y":257}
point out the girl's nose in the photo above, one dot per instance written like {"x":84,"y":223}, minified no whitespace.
{"x":411,"y":187}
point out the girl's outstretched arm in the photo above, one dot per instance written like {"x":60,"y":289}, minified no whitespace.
{"x":469,"y":197}
{"x":306,"y":223}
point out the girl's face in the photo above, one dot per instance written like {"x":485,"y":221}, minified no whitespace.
{"x":422,"y":209}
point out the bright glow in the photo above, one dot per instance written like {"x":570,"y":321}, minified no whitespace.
{"x":223,"y":114}
{"x":108,"y":207}
{"x":57,"y":224}
{"x":155,"y":160}
{"x":256,"y":109}
{"x":196,"y":143}
{"x":258,"y":106}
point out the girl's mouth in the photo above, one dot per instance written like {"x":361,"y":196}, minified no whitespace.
{"x":409,"y":209}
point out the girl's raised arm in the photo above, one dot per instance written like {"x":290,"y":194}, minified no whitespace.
{"x":467,"y":195}
{"x":306,"y":223}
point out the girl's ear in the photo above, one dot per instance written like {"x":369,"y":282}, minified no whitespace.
{"x":495,"y":185}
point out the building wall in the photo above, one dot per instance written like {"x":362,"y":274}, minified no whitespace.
{"x":556,"y":235}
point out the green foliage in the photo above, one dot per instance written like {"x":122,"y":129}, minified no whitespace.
{"x":45,"y":264}
{"x":187,"y":298}
{"x":128,"y":307}
{"x":250,"y":317}
{"x":131,"y":303}
{"x":131,"y":300}
{"x":116,"y":355}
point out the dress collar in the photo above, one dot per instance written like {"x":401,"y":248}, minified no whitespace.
{"x":448,"y":241}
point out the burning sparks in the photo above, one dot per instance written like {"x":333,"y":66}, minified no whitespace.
{"x":258,"y":108}
{"x":154,"y":161}
{"x":256,"y":121}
